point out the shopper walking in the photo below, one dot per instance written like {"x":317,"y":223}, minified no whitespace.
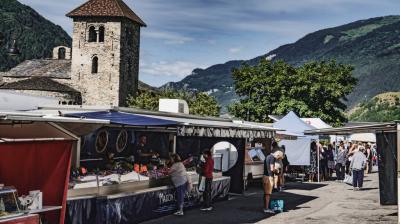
{"x":331,"y":162}
{"x":368,"y":154}
{"x":285,"y":169}
{"x":268,"y":178}
{"x":357,"y":166}
{"x":179,"y":179}
{"x":340,"y":163}
{"x":208,"y":174}
{"x":312,"y":169}
{"x":323,"y":163}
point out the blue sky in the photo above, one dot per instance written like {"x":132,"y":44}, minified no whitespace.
{"x":187,"y":34}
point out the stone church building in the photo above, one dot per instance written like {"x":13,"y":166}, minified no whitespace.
{"x":102,"y":68}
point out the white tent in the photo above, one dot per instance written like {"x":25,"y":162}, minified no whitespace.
{"x":13,"y":101}
{"x":297,"y":151}
{"x":363,"y":137}
{"x":316,"y":123}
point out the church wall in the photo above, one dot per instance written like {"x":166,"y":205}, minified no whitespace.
{"x":129,"y":75}
{"x":101,"y":88}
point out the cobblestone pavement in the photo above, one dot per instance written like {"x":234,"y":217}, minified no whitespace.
{"x":327,"y":202}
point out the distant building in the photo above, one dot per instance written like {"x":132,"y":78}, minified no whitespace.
{"x":102,"y":68}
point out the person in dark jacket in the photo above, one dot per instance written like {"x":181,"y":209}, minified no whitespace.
{"x":208,"y":174}
{"x":285,"y":169}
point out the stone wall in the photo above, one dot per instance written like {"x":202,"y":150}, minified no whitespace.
{"x":100,"y":88}
{"x":67,"y":53}
{"x":130,"y":44}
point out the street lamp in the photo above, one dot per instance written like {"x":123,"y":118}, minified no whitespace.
{"x":13,"y":50}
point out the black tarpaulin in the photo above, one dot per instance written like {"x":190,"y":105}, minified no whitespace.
{"x":387,"y":162}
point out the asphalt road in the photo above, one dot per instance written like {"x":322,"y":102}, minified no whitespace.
{"x":328,"y":202}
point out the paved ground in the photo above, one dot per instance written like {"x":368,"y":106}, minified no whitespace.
{"x":330,"y":202}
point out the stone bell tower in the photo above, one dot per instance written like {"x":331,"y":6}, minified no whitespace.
{"x":105,"y":52}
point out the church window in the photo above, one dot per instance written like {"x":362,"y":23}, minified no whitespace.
{"x":95,"y":65}
{"x":92,"y":34}
{"x":61,"y":53}
{"x":101,"y":34}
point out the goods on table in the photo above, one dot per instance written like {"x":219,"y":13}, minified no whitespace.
{"x":8,"y":203}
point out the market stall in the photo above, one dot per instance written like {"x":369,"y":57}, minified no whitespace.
{"x":102,"y":186}
{"x":297,"y":148}
{"x":35,"y":161}
{"x":388,"y":143}
{"x":109,"y":190}
{"x":195,"y":134}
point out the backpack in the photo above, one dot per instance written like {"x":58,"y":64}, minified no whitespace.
{"x":276,"y":205}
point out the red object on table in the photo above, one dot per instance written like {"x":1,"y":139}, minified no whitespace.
{"x":38,"y":165}
{"x":30,"y":219}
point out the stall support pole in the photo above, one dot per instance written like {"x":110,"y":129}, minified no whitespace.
{"x":318,"y":161}
{"x":174,"y":145}
{"x":398,"y":172}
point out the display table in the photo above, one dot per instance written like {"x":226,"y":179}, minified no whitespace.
{"x":138,"y":206}
{"x":45,"y":209}
{"x":24,"y":219}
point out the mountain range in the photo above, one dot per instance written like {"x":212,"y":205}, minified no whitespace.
{"x":371,"y":46}
{"x":35,"y":36}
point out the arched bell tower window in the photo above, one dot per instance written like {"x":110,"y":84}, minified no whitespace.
{"x":61,"y":53}
{"x":101,"y":34}
{"x":92,"y":34}
{"x":95,"y":65}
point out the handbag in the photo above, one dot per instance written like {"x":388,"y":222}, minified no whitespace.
{"x":277,"y":205}
{"x":202,"y":185}
{"x":348,"y":179}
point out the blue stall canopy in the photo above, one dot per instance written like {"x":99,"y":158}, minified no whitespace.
{"x":128,"y":119}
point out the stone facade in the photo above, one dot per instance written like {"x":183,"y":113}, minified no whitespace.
{"x":116,"y":75}
{"x":101,"y":68}
{"x":62,"y":53}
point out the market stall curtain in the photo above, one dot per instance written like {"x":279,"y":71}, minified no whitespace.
{"x":387,"y":155}
{"x":38,"y":166}
{"x":193,"y":146}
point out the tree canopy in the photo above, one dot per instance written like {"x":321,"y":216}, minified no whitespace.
{"x":199,"y":103}
{"x":316,"y":89}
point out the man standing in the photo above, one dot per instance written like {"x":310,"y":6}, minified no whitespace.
{"x":208,"y":174}
{"x":340,"y":162}
{"x":268,"y":178}
{"x":142,"y":151}
{"x":357,"y":166}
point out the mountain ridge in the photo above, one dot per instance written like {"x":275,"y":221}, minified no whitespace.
{"x":36,"y":36}
{"x":372,"y":46}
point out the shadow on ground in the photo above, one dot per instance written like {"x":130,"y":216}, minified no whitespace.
{"x":242,"y":209}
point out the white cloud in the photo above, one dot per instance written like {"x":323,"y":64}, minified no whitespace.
{"x":167,"y":37}
{"x":163,"y":68}
{"x":235,"y":50}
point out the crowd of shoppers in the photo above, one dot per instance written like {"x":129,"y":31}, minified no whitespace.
{"x":344,"y":158}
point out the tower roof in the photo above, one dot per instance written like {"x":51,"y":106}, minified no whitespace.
{"x":105,"y":8}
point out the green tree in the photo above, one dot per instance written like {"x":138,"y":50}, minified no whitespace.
{"x":199,"y":103}
{"x":316,"y":89}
